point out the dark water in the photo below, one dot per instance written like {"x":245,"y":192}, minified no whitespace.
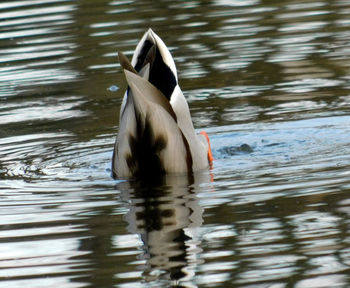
{"x":268,"y":80}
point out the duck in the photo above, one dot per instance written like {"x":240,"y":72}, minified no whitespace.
{"x":156,"y":133}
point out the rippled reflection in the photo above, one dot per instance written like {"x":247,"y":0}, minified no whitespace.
{"x":167,"y":219}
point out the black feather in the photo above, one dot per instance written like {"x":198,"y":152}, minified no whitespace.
{"x":144,"y":158}
{"x":160,"y":74}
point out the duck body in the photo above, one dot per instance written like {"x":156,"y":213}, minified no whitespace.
{"x":156,"y":134}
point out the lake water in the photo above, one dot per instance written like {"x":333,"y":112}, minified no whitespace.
{"x":268,"y":80}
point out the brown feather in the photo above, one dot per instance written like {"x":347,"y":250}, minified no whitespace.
{"x":156,"y":96}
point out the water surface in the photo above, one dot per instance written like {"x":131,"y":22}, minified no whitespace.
{"x":268,"y":81}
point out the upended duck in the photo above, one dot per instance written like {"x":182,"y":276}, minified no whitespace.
{"x":156,"y":134}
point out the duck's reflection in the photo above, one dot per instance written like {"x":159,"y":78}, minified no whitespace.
{"x":167,"y":218}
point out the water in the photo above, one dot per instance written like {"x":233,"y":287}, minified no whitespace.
{"x":268,"y":81}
